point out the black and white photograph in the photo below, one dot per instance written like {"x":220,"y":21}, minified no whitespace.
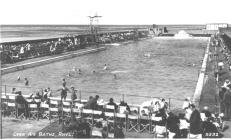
{"x":115,"y":69}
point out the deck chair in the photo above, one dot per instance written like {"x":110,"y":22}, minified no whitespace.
{"x":110,"y":119}
{"x":109,"y":108}
{"x":77,"y":110}
{"x":153,"y":121}
{"x":122,"y":109}
{"x":53,"y":112}
{"x":11,"y":99}
{"x":97,"y":115}
{"x":96,"y":133}
{"x":66,"y":104}
{"x":133,"y":123}
{"x":37,"y":101}
{"x":203,"y":117}
{"x":11,"y":108}
{"x":4,"y":99}
{"x":121,"y":117}
{"x":88,"y":116}
{"x":54,"y":103}
{"x":44,"y":110}
{"x":22,"y":109}
{"x":4,"y":105}
{"x":29,"y":101}
{"x":66,"y":112}
{"x":33,"y":111}
{"x":160,"y":131}
{"x":145,"y":124}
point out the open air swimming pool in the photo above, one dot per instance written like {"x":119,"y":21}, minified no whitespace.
{"x":153,"y":67}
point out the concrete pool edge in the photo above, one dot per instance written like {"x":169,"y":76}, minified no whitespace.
{"x":48,"y":60}
{"x":201,"y":78}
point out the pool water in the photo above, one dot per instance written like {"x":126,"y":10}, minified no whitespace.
{"x":153,"y":67}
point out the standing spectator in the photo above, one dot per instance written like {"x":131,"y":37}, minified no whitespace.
{"x":227,"y":102}
{"x":63,"y":90}
{"x":195,"y":121}
{"x":73,"y":94}
{"x":64,"y":82}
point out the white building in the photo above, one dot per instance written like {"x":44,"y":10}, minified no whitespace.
{"x":216,"y":26}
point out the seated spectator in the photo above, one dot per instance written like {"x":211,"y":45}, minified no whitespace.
{"x":173,"y":124}
{"x":163,"y":104}
{"x":97,"y":131}
{"x":161,"y":113}
{"x":207,"y":112}
{"x":118,"y":132}
{"x":210,"y":130}
{"x":94,"y":104}
{"x":45,"y":94}
{"x":226,"y":83}
{"x":122,"y":103}
{"x":38,"y":96}
{"x":49,"y":92}
{"x":143,"y":113}
{"x":111,"y":102}
{"x":183,"y":126}
{"x":186,"y":103}
{"x":89,"y":102}
{"x":83,"y":129}
{"x":73,"y":94}
{"x":13,"y":91}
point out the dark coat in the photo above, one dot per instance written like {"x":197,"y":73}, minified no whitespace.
{"x":195,"y":122}
{"x":227,"y":98}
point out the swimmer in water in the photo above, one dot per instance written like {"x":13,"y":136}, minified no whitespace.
{"x":93,"y":71}
{"x":74,"y":69}
{"x":69,"y":75}
{"x":79,"y":71}
{"x":105,"y":67}
{"x":115,"y":77}
{"x":18,"y":78}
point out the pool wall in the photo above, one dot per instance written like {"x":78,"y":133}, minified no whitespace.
{"x":49,"y":60}
{"x":202,"y":77}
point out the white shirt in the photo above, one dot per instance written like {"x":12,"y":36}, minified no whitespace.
{"x":221,"y":64}
{"x":183,"y":124}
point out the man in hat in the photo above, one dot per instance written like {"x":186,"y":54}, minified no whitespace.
{"x":195,"y":121}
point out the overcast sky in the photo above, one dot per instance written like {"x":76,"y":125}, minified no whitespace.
{"x":115,"y":11}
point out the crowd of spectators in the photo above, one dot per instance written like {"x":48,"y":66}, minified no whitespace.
{"x":14,"y":52}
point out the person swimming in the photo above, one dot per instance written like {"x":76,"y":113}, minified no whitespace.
{"x":105,"y":67}
{"x":115,"y":77}
{"x":79,"y":71}
{"x":74,"y":69}
{"x":19,"y":78}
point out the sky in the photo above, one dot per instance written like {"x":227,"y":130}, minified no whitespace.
{"x":115,"y":11}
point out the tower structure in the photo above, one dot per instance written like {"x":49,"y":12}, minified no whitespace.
{"x":94,"y":26}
